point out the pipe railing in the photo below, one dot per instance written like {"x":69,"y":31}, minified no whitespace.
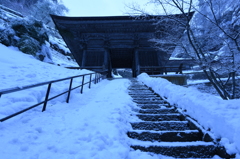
{"x":161,"y":70}
{"x":97,"y":79}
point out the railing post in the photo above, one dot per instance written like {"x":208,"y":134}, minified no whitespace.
{"x":179,"y":69}
{"x":99,"y":78}
{"x":69,"y":90}
{"x":90,"y":81}
{"x":46,"y":98}
{"x":95,"y":79}
{"x":82,"y":84}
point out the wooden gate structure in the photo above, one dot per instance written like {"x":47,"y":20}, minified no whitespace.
{"x":104,"y":43}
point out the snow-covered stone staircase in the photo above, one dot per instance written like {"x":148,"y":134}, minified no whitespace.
{"x":161,"y":129}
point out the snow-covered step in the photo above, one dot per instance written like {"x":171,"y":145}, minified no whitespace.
{"x":143,"y":96}
{"x":150,"y":102}
{"x":152,"y":106}
{"x":138,"y":88}
{"x":157,"y":111}
{"x":161,"y":117}
{"x":147,"y":98}
{"x":141,"y":90}
{"x":141,"y":93}
{"x":195,"y":149}
{"x":159,"y":126}
{"x":163,"y":136}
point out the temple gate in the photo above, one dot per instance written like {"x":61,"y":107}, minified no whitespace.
{"x":104,"y":43}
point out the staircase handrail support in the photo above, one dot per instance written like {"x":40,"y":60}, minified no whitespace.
{"x":96,"y":79}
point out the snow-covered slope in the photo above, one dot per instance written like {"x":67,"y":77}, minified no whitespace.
{"x":19,"y":69}
{"x":92,"y":125}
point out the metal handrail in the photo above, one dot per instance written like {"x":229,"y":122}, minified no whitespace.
{"x":161,"y":69}
{"x":97,"y":79}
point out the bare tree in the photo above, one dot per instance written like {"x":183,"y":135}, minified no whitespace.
{"x":211,"y":37}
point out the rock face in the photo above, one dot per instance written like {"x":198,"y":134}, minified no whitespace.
{"x":27,"y":35}
{"x":28,"y":45}
{"x":34,"y":29}
{"x":32,"y":37}
{"x":6,"y":37}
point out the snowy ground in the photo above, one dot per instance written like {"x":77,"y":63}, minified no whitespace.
{"x":93,"y":124}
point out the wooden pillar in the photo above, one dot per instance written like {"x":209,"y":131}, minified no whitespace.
{"x":136,"y":67}
{"x":107,"y":61}
{"x":83,"y":59}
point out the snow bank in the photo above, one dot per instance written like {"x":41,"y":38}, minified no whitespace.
{"x":219,"y":116}
{"x":19,"y":69}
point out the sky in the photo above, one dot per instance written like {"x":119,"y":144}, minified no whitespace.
{"x":99,"y":7}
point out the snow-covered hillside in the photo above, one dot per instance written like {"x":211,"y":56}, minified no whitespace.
{"x":92,"y":125}
{"x":19,"y":69}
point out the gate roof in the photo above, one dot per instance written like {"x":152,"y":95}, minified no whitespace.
{"x":117,"y":33}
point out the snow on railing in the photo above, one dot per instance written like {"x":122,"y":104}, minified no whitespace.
{"x":96,"y":79}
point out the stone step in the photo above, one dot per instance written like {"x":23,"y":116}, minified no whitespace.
{"x":141,"y":93}
{"x":157,"y":111}
{"x":160,"y":126}
{"x":138,"y":89}
{"x":152,"y":106}
{"x":146,"y":98}
{"x":197,"y":149}
{"x":169,"y":136}
{"x":161,"y":117}
{"x":137,"y":85}
{"x":150,"y":102}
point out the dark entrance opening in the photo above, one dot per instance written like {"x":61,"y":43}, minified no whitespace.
{"x":121,"y":58}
